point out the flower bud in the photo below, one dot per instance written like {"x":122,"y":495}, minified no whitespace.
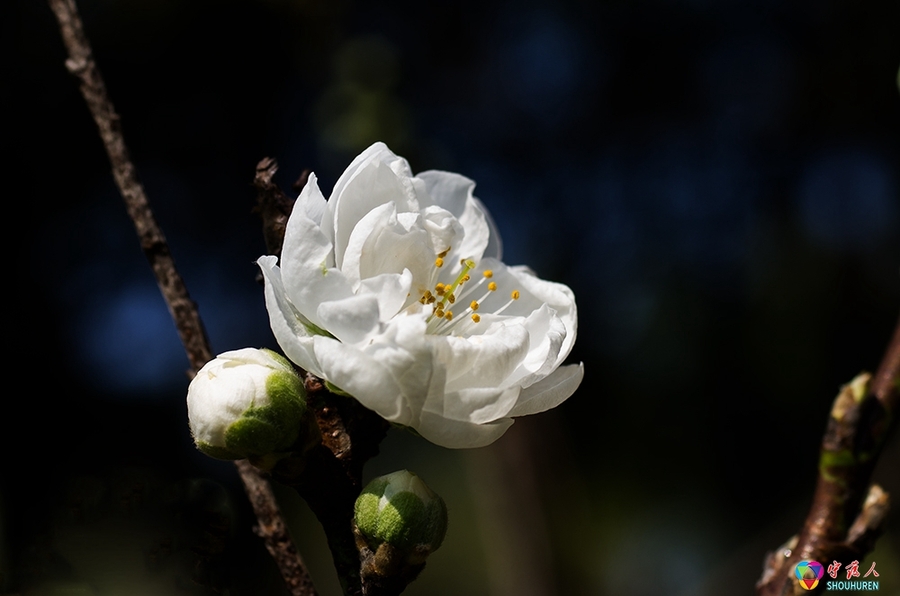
{"x":246,"y":403}
{"x":401,"y":519}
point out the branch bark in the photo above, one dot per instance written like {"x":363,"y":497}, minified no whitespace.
{"x":848,"y":512}
{"x":184,"y":311}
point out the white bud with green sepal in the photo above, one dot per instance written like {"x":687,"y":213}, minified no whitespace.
{"x":400,"y":512}
{"x":246,"y":403}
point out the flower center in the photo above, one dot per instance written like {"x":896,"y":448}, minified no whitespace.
{"x":445,"y":297}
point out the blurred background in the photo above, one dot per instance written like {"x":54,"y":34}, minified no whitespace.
{"x":719,"y":183}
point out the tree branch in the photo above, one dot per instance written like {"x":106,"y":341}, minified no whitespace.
{"x":183,"y":310}
{"x":848,"y":512}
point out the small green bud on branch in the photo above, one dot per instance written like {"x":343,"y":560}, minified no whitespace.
{"x":401,"y":520}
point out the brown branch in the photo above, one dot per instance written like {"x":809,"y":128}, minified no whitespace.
{"x":183,"y":310}
{"x":272,"y":530}
{"x":848,"y":512}
{"x":81,"y":64}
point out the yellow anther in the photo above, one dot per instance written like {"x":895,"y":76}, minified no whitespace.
{"x":476,"y":317}
{"x":449,"y":315}
{"x":423,"y":300}
{"x":451,"y":298}
{"x":431,"y":300}
{"x":474,"y":305}
{"x":439,"y":262}
{"x":443,"y":254}
{"x":492,"y":286}
{"x":464,"y":279}
{"x":439,"y":289}
{"x":515,"y":294}
{"x":439,"y":314}
{"x":488,"y":273}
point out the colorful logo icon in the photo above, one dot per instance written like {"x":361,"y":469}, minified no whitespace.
{"x":809,"y":573}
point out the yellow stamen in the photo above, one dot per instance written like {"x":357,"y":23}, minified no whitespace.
{"x":443,"y":254}
{"x":465,"y":278}
{"x":446,"y":291}
{"x":476,"y":317}
{"x":449,"y":315}
{"x":492,"y":286}
{"x":488,"y":273}
{"x":474,"y":305}
{"x":439,"y":262}
{"x":515,"y":295}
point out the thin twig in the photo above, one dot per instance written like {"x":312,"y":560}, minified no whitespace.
{"x":272,"y":530}
{"x":183,"y":310}
{"x":81,"y":64}
{"x":848,"y":512}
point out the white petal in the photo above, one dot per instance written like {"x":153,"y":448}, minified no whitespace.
{"x":370,"y":181}
{"x":351,"y":320}
{"x":288,"y":326}
{"x":396,"y":243}
{"x":458,"y":434}
{"x":307,"y":260}
{"x":443,"y":229}
{"x":494,"y":249}
{"x":478,"y":405}
{"x":447,"y":190}
{"x":454,"y":193}
{"x":485,"y":360}
{"x":311,"y":200}
{"x":391,"y":290}
{"x":549,"y":392}
{"x":558,"y":296}
{"x":364,"y":377}
{"x":546,"y":334}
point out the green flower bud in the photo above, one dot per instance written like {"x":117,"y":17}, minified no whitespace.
{"x":246,"y":403}
{"x":401,"y":519}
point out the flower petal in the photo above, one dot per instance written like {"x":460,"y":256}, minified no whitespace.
{"x":558,"y":296}
{"x":351,"y":320}
{"x":362,"y":375}
{"x":479,"y":405}
{"x":484,"y":360}
{"x":459,"y":434}
{"x":307,"y":259}
{"x":374,"y":178}
{"x":391,"y":290}
{"x":291,"y":331}
{"x":454,"y":193}
{"x":550,"y":392}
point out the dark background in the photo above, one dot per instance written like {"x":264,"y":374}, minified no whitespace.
{"x":718,"y":182}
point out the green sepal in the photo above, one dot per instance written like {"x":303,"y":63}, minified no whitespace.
{"x":271,"y":428}
{"x":335,"y":389}
{"x":217,"y":452}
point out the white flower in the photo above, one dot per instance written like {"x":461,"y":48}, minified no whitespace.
{"x":394,"y":292}
{"x":245,"y":403}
